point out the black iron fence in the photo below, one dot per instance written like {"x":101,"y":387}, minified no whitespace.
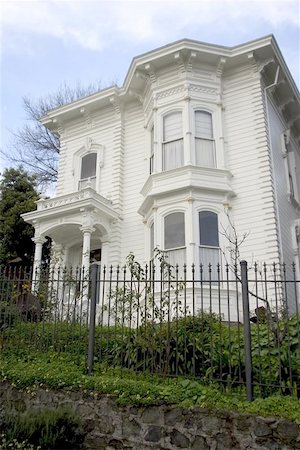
{"x":232,"y":325}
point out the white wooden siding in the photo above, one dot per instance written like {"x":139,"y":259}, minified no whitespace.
{"x":247,"y":156}
{"x":286,"y":210}
{"x":136,"y":171}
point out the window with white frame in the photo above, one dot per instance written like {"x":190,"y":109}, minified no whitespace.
{"x":88,"y":171}
{"x":209,"y":249}
{"x":172,"y":141}
{"x":174,"y":238}
{"x":204,"y":140}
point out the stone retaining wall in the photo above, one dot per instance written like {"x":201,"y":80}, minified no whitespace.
{"x":110,"y":426}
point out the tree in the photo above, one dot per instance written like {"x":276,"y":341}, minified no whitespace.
{"x":18,"y":195}
{"x":34,"y":146}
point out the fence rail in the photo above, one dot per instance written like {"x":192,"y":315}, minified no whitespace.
{"x":232,"y":325}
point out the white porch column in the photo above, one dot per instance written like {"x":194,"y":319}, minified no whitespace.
{"x":188,"y":154}
{"x":190,"y":238}
{"x":86,"y":247}
{"x":85,"y":263}
{"x":38,"y":240}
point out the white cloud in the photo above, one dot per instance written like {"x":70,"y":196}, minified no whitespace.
{"x":95,"y":25}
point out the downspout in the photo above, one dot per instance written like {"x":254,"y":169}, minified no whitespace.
{"x":271,"y":158}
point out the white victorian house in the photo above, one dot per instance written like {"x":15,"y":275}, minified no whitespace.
{"x":199,"y":136}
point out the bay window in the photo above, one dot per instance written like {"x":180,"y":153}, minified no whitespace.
{"x":172,"y":141}
{"x":204,"y":140}
{"x":174,"y":237}
{"x":209,"y":250}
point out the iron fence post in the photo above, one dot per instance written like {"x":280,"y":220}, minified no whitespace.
{"x":92,"y":322}
{"x":247,"y":332}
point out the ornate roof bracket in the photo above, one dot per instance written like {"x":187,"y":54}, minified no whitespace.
{"x":151,"y":73}
{"x":180,"y":62}
{"x":115,"y":102}
{"x":87,"y":117}
{"x":136,"y":95}
{"x":220,"y":67}
{"x":191,"y":59}
{"x":261,"y":66}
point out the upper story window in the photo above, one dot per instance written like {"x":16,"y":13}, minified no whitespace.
{"x":209,"y":243}
{"x":172,"y":141}
{"x":204,"y":140}
{"x":88,"y":171}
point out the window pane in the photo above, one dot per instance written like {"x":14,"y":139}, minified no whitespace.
{"x":88,"y":165}
{"x":209,"y":256}
{"x":172,"y":127}
{"x":203,"y":125}
{"x":174,"y":231}
{"x":173,"y":155}
{"x":208,"y":223}
{"x":205,"y":153}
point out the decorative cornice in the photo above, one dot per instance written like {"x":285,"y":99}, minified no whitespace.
{"x":168,"y":92}
{"x":203,"y":89}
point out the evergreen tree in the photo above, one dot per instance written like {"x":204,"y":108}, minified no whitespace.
{"x":17,"y":195}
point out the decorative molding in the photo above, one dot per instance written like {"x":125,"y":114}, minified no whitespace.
{"x":203,"y":89}
{"x":292,"y":120}
{"x":115,"y":102}
{"x":180,"y":62}
{"x":151,"y":73}
{"x":189,"y":64}
{"x":172,"y":91}
{"x":282,"y":105}
{"x":263,"y":64}
{"x":136,"y":95}
{"x":220,"y":67}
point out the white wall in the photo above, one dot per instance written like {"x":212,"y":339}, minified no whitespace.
{"x":247,"y":157}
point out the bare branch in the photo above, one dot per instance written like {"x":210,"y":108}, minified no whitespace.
{"x":34,"y":146}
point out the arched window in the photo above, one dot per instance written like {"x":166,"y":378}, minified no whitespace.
{"x":88,"y":171}
{"x":174,"y":236}
{"x":204,"y":140}
{"x":172,"y":141}
{"x":209,"y":250}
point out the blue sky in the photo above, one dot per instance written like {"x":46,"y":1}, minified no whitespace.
{"x":45,"y":43}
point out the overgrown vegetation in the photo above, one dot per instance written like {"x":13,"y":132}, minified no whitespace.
{"x":200,"y":347}
{"x":33,"y":371}
{"x":45,"y":428}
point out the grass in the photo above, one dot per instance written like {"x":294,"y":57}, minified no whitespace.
{"x":61,"y":371}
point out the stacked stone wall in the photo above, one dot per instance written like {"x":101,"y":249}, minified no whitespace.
{"x":110,"y":426}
